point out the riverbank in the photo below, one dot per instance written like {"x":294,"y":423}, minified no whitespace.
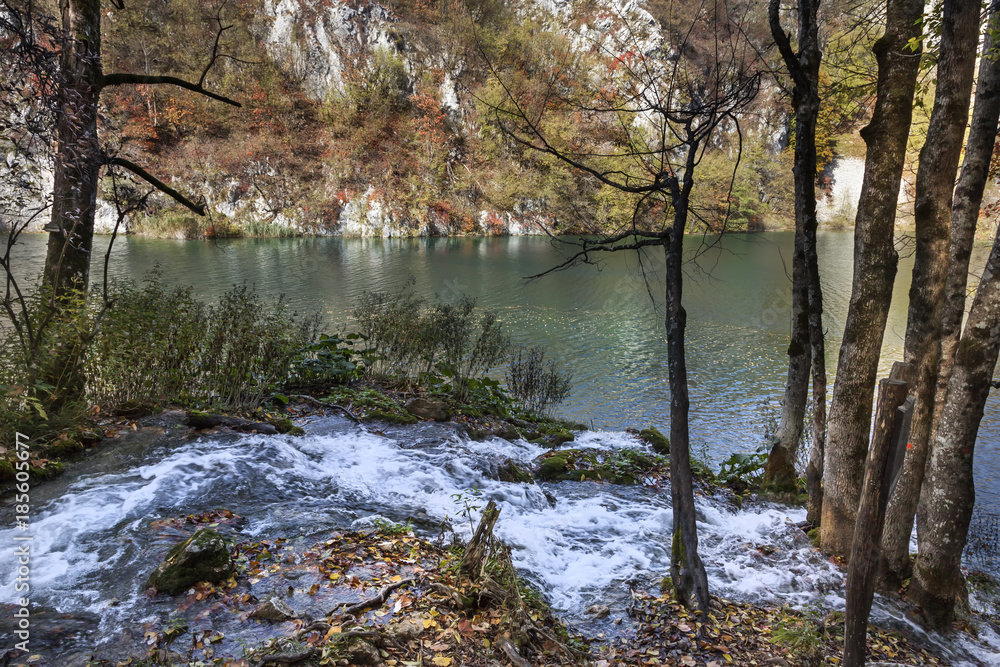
{"x":427,"y":617}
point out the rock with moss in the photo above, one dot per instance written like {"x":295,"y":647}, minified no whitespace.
{"x":391,"y":417}
{"x":6,"y":470}
{"x":659,"y":442}
{"x":65,"y":448}
{"x":509,"y":471}
{"x":425,"y":408}
{"x":620,"y":466}
{"x":202,"y":557}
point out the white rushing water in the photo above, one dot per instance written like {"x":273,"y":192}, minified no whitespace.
{"x":581,"y":542}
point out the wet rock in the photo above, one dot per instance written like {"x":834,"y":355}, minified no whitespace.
{"x":599,"y":611}
{"x":166,"y":419}
{"x":360,"y":652}
{"x":201,"y":420}
{"x":202,"y":557}
{"x":427,"y":409}
{"x":659,"y":442}
{"x":273,"y":610}
{"x":509,"y":471}
{"x":405,"y":630}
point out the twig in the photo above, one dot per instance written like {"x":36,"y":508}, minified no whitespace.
{"x":323,"y":404}
{"x":511,"y":652}
{"x":378,"y":599}
{"x":289,"y":659}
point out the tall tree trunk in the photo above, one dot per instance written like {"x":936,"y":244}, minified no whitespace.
{"x":814,"y":469}
{"x":950,"y":494}
{"x":932,"y":212}
{"x":779,"y":473}
{"x":874,"y":271}
{"x":78,"y":155}
{"x":687,"y":572}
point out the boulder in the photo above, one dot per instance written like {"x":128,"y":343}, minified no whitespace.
{"x":202,"y":557}
{"x":427,"y":409}
{"x":509,"y":471}
{"x":405,"y":630}
{"x":659,"y":442}
{"x":273,"y":610}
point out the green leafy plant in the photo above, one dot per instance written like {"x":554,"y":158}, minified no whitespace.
{"x":802,"y":635}
{"x":469,"y":501}
{"x":745,"y":468}
{"x":331,"y":360}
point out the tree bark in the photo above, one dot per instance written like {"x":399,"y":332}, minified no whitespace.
{"x":78,"y":154}
{"x":875,"y":261}
{"x":939,"y":159}
{"x":687,"y":572}
{"x":949,"y":493}
{"x":803,"y":67}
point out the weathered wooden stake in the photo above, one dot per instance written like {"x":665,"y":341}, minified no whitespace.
{"x":884,"y":458}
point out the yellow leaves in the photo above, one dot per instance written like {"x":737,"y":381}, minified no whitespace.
{"x":430,"y":623}
{"x":441,"y":660}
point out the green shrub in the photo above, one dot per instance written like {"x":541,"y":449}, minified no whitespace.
{"x":443,"y":345}
{"x":535,"y":384}
{"x":157,"y":344}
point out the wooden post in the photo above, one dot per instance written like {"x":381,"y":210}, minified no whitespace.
{"x":887,"y":440}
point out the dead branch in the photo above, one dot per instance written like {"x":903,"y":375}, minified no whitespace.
{"x":376,"y":600}
{"x":155,"y":182}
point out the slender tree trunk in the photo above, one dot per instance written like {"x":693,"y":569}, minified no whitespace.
{"x":814,"y":469}
{"x":779,"y":473}
{"x":687,"y":572}
{"x":949,"y":493}
{"x":967,"y":202}
{"x":77,"y":163}
{"x":932,"y":212}
{"x":874,"y":272}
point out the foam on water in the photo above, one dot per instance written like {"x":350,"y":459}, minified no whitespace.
{"x":581,"y":542}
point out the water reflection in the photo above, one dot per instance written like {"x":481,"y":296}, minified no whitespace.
{"x":598,"y":321}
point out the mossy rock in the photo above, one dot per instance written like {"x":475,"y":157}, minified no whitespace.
{"x":6,"y":470}
{"x":659,"y":442}
{"x":49,"y":471}
{"x":296,"y":430}
{"x":202,"y":557}
{"x":624,"y":466}
{"x":284,"y":425}
{"x":391,"y":417}
{"x":555,"y":435}
{"x":65,"y":447}
{"x":510,"y":472}
{"x":813,"y":536}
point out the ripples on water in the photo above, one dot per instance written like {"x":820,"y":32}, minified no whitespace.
{"x":597,"y":321}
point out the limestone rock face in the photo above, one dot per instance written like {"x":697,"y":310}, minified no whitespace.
{"x":202,"y":557}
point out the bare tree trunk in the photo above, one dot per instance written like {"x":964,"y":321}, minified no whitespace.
{"x":779,"y":473}
{"x":949,"y":493}
{"x":687,"y":572}
{"x":814,"y":469}
{"x":77,"y":163}
{"x":935,"y":185}
{"x":874,"y":271}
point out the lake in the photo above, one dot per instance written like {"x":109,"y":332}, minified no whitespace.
{"x":597,"y":321}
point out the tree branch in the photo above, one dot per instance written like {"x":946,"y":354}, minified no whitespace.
{"x":155,"y":182}
{"x":123,"y":78}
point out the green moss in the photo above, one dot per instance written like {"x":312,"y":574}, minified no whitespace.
{"x":392,"y":417}
{"x":202,"y":557}
{"x":814,"y":536}
{"x":659,"y":442}
{"x":296,"y":430}
{"x":65,"y":447}
{"x":6,"y":470}
{"x":624,"y":466}
{"x":510,"y":472}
